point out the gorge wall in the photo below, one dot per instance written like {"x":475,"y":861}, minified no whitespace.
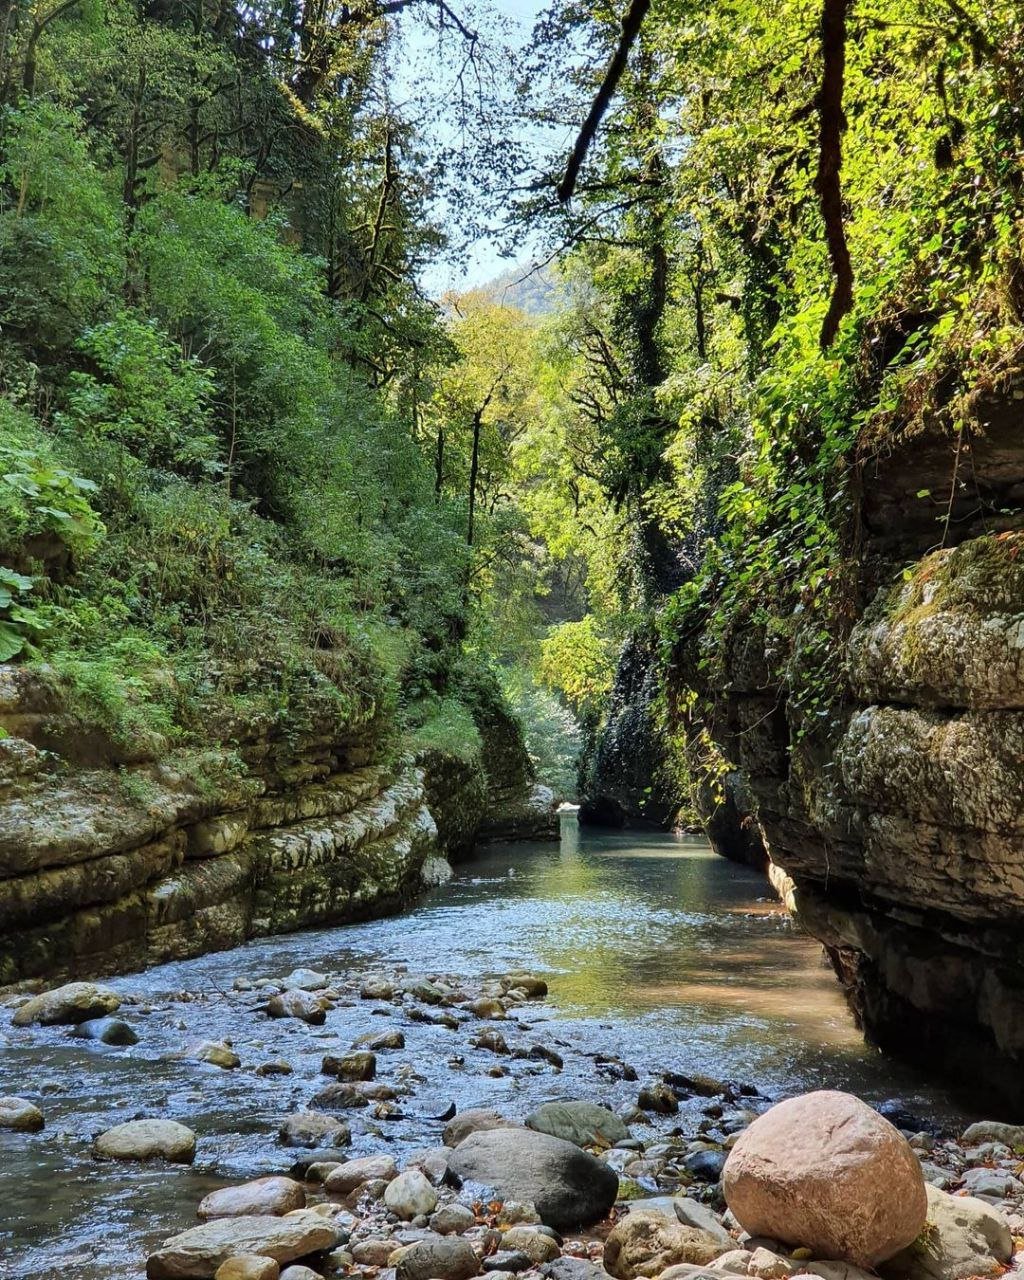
{"x":106,"y":868}
{"x":898,"y":836}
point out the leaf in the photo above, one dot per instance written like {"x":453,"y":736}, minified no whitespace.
{"x":11,"y":643}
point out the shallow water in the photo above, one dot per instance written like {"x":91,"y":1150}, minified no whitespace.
{"x":654,"y":949}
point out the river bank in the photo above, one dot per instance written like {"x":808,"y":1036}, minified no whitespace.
{"x":656,"y":954}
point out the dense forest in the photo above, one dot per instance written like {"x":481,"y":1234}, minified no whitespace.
{"x":249,"y":463}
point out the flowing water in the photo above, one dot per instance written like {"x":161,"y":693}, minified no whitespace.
{"x":654,"y":949}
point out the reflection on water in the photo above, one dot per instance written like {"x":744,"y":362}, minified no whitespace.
{"x":655,"y":950}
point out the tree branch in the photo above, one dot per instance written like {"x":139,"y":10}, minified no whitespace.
{"x":827,"y":183}
{"x":631,"y":25}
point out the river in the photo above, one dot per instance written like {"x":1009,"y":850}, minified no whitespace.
{"x":654,"y":949}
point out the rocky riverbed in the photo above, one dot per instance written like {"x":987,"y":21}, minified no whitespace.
{"x":687,"y":1177}
{"x":716,"y":984}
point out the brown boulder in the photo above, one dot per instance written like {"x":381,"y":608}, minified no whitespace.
{"x":826,"y":1172}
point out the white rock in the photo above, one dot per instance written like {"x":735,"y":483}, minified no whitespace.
{"x":305,"y":980}
{"x":964,"y":1237}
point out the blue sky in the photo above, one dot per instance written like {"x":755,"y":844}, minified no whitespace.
{"x":423,"y":70}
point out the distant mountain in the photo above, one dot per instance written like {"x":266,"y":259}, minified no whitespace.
{"x":536,"y":290}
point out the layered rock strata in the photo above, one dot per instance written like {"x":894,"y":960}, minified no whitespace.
{"x":103,"y":870}
{"x":897,"y":835}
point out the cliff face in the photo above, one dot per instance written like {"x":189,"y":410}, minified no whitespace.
{"x":623,"y":782}
{"x":104,"y":870}
{"x":898,"y":838}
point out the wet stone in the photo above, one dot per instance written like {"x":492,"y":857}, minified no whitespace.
{"x":351,"y":1066}
{"x":20,"y":1115}
{"x":509,"y":1260}
{"x":148,"y":1140}
{"x":314,"y":1129}
{"x":111,"y":1031}
{"x":658,"y":1097}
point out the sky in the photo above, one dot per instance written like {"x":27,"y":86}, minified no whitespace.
{"x":420,"y":69}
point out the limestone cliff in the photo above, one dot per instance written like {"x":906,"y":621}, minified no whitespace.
{"x":107,"y":869}
{"x":898,"y":834}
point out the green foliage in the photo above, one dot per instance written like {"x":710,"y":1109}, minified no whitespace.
{"x":577,"y":661}
{"x":445,"y":725}
{"x":148,"y":398}
{"x":62,"y":256}
{"x":553,"y":734}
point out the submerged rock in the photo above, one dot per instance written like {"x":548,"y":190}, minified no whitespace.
{"x":569,"y":1187}
{"x":304,"y":1005}
{"x":827,"y":1172}
{"x":21,"y":1115}
{"x":75,"y":1002}
{"x":658,"y":1097}
{"x":313,"y":1129}
{"x":216,"y":1053}
{"x":107,"y":1030}
{"x":583,"y":1123}
{"x":392,"y":1038}
{"x":198,"y":1253}
{"x":350,"y":1066}
{"x":148,"y":1140}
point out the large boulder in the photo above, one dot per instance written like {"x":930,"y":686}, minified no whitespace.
{"x":262,"y":1195}
{"x":568,"y":1187}
{"x":75,"y":1002}
{"x":147,"y":1140}
{"x":646,"y":1244}
{"x":582,"y":1123}
{"x":197,"y":1254}
{"x":964,"y":1237}
{"x":826,"y":1172}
